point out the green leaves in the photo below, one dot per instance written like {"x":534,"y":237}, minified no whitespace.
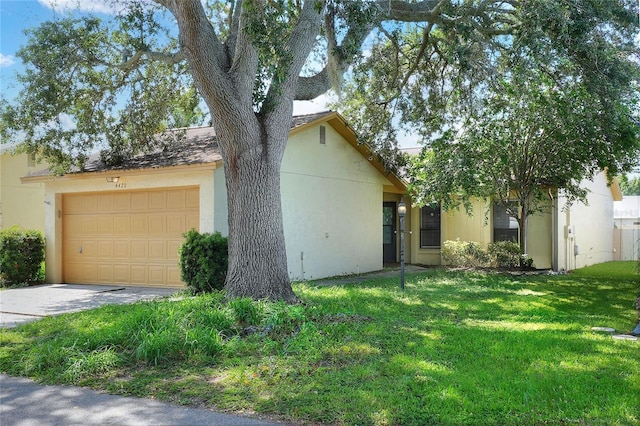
{"x":21,"y":256}
{"x":269,"y":26}
{"x":204,"y":261}
{"x":91,"y":84}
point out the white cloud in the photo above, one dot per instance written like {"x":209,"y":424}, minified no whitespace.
{"x":100,"y":6}
{"x":6,"y":60}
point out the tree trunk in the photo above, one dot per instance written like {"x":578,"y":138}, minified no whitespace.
{"x":524,"y":218}
{"x":257,"y":253}
{"x":252,"y":144}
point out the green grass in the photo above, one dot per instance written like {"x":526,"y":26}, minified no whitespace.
{"x":453,"y":348}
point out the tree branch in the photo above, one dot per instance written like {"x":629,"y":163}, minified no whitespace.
{"x":138,"y":57}
{"x":234,"y":25}
{"x":245,"y":55}
{"x":311,"y":87}
{"x":298,"y":48}
{"x":207,"y":57}
{"x":397,"y":10}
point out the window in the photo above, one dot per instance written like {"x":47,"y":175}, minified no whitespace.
{"x":31,"y":160}
{"x":505,"y":227}
{"x":430,"y":227}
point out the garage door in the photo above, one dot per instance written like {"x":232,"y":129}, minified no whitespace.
{"x":127,"y":237}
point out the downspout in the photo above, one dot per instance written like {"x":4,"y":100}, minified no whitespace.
{"x":554,"y":232}
{"x":568,"y":239}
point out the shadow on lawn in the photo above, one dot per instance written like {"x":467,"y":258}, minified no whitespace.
{"x":473,"y":348}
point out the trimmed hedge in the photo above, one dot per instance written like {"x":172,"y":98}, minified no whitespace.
{"x":203,"y":261}
{"x":466,"y":254}
{"x":470,"y":254}
{"x":21,"y":256}
{"x":505,"y":254}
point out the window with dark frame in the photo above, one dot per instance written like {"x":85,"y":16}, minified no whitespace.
{"x":430,"y":227}
{"x":505,"y":226}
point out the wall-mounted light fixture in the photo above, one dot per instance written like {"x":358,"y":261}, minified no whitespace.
{"x":113,"y":179}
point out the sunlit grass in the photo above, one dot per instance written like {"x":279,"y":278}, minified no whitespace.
{"x":453,"y":348}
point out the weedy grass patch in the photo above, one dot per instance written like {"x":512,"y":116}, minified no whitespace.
{"x":453,"y":348}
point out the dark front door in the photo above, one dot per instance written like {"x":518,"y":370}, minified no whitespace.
{"x":389,"y":232}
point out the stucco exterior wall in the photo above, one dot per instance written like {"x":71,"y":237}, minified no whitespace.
{"x":20,"y":204}
{"x":220,"y":206}
{"x":332,"y":207}
{"x":478,"y":227}
{"x":457,"y":224}
{"x":539,"y":239}
{"x":585,"y":232}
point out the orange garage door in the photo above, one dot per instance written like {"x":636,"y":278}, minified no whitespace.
{"x":127,"y":237}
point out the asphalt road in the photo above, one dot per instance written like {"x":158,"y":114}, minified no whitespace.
{"x":25,"y":403}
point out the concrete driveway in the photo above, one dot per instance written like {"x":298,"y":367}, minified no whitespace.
{"x":19,"y":305}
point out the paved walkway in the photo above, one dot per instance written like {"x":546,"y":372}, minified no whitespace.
{"x":19,"y":305}
{"x":355,"y":279}
{"x":25,"y":403}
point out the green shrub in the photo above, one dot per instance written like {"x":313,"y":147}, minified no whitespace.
{"x":21,"y":256}
{"x":467,"y":254}
{"x":504,"y":254}
{"x":470,"y":254}
{"x":203,"y":261}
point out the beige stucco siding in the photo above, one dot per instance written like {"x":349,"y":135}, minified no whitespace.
{"x":478,"y":227}
{"x":457,"y":224}
{"x":20,"y":204}
{"x":539,"y":239}
{"x":332,"y":207}
{"x":220,"y":206}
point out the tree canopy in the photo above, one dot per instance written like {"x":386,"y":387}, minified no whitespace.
{"x":629,"y":186}
{"x":115,"y":84}
{"x":531,"y":136}
{"x":509,"y":117}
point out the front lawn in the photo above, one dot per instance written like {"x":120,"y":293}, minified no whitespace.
{"x":453,"y":348}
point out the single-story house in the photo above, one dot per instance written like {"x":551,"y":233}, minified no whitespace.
{"x":563,"y":238}
{"x":124,"y":224}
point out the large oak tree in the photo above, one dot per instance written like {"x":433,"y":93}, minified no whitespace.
{"x":121,"y":82}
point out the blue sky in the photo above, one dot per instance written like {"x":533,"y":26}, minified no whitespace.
{"x":18,"y":15}
{"x":15,"y":17}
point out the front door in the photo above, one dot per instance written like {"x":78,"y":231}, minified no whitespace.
{"x":389,"y":232}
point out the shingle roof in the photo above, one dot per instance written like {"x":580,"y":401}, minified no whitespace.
{"x":190,"y":146}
